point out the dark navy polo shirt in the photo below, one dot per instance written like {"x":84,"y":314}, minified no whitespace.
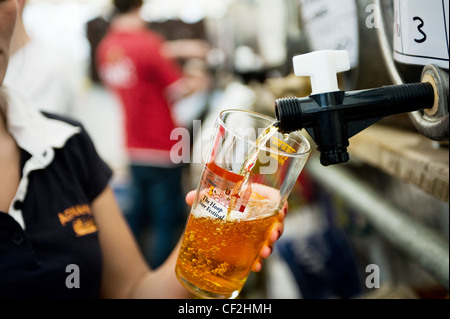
{"x":60,"y":232}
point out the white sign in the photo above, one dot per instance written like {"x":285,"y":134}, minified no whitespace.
{"x":421,"y":32}
{"x":331,"y":25}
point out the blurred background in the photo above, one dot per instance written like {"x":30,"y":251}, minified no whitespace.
{"x":237,"y":54}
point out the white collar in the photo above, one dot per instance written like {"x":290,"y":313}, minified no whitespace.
{"x":32,"y":131}
{"x":36,"y":134}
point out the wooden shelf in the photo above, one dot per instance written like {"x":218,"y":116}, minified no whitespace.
{"x":405,"y":155}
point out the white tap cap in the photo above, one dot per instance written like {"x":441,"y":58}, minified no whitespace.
{"x":322,"y":66}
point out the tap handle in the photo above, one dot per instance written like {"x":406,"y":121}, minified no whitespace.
{"x":322,"y":67}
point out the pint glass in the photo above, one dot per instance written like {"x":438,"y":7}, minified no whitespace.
{"x":250,"y":170}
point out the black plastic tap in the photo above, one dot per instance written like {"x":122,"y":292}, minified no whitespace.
{"x":332,"y":118}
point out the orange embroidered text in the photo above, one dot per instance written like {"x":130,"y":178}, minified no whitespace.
{"x":81,"y":218}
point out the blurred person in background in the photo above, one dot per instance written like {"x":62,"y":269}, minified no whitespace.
{"x":46,"y":75}
{"x":58,"y":212}
{"x":131,"y":64}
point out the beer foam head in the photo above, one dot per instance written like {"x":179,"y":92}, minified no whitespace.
{"x":255,"y":209}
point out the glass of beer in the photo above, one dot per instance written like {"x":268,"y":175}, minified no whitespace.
{"x":249,"y":172}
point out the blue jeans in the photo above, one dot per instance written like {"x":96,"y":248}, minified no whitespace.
{"x":158,"y":213}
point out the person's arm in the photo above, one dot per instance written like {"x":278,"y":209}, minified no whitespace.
{"x":125,"y":273}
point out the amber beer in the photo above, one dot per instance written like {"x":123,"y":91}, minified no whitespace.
{"x":216,"y":255}
{"x":237,"y":201}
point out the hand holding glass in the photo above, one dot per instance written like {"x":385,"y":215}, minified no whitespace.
{"x":249,"y":173}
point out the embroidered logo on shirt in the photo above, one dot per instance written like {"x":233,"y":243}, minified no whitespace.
{"x":81,"y":218}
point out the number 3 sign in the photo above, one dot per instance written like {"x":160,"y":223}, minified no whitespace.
{"x":421,"y":32}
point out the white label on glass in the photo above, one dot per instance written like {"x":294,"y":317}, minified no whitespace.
{"x":421,"y":32}
{"x":331,"y":25}
{"x":208,"y":207}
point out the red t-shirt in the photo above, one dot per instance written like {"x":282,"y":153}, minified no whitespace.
{"x":131,"y":64}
